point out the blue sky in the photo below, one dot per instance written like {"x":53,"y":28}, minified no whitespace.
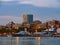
{"x":43,"y":10}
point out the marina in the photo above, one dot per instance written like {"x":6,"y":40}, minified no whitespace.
{"x":29,"y":22}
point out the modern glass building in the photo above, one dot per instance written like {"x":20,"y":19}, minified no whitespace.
{"x":28,"y":18}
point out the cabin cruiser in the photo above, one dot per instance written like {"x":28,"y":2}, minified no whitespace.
{"x":50,"y":31}
{"x":38,"y":34}
{"x":22,"y":33}
{"x":45,"y":33}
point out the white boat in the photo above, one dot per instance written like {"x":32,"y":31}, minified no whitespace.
{"x":22,"y":33}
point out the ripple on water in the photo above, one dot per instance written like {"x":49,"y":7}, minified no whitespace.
{"x":50,"y":40}
{"x":19,"y":41}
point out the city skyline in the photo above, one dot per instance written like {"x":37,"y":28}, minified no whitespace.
{"x":11,"y":10}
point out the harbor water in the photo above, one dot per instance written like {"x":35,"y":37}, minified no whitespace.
{"x":29,"y":40}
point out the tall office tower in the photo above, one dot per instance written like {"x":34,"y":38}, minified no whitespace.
{"x":28,"y":18}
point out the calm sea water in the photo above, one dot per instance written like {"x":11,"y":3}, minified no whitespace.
{"x":50,"y":41}
{"x":29,"y":41}
{"x":19,"y":40}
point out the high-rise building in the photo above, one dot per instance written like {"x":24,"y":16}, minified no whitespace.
{"x":27,"y":18}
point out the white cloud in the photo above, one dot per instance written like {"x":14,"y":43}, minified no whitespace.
{"x":42,"y":3}
{"x":5,"y":19}
{"x":6,"y":0}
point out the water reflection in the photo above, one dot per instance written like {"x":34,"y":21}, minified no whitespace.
{"x":20,"y":41}
{"x":28,"y":41}
{"x":50,"y":41}
{"x":17,"y":40}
